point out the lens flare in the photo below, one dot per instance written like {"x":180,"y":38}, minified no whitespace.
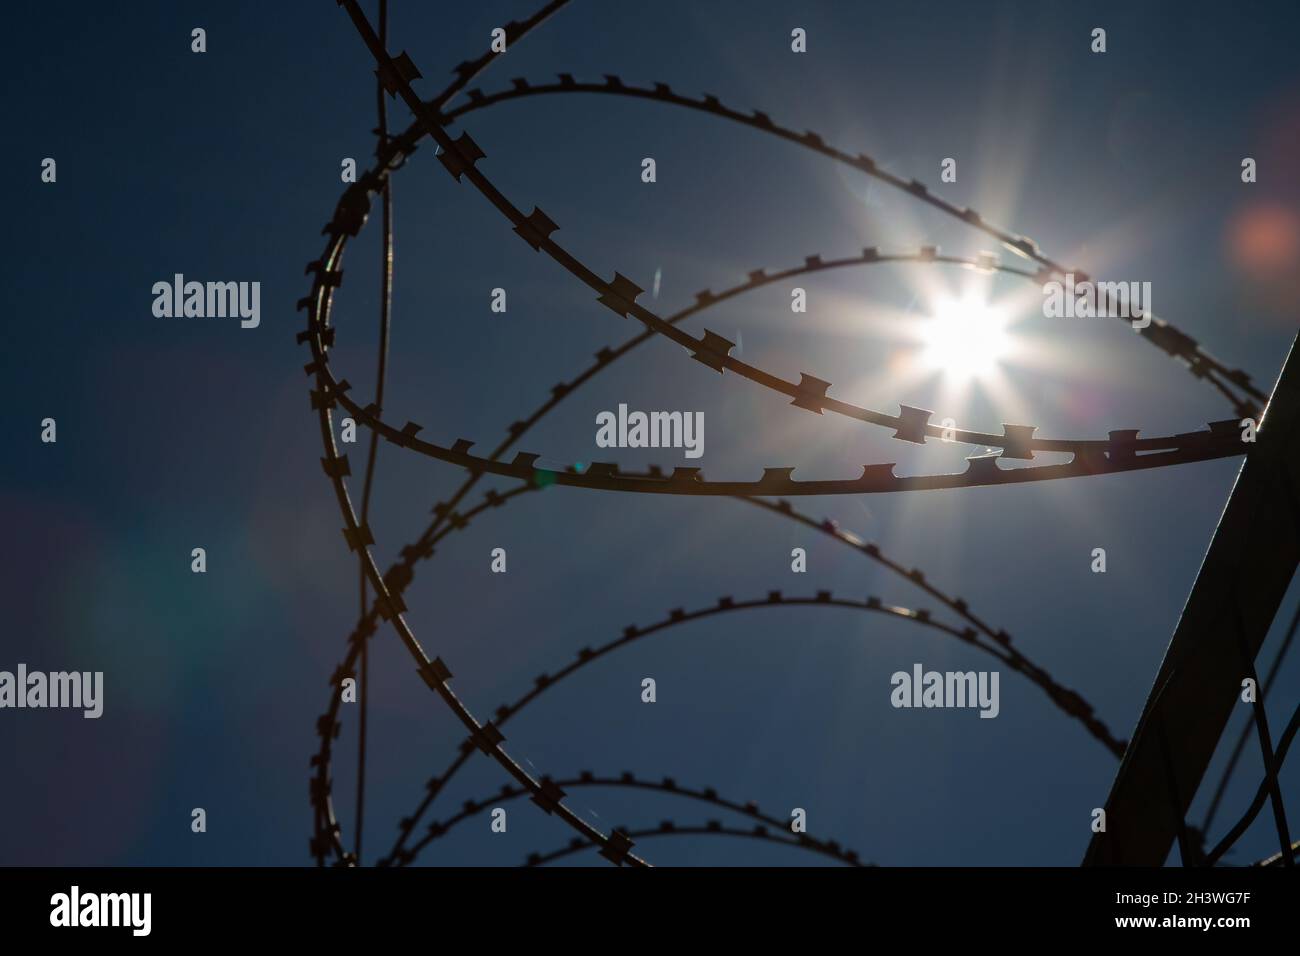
{"x":965,"y":339}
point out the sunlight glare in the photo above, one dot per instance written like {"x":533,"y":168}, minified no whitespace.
{"x":965,"y":339}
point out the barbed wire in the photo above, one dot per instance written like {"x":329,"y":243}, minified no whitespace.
{"x":606,"y":356}
{"x":436,"y":674}
{"x":670,"y":828}
{"x":1119,"y":454}
{"x":460,"y":158}
{"x":1068,"y":701}
{"x":757,"y":278}
{"x":1160,"y":333}
{"x":400,"y":575}
{"x":588,"y":778}
{"x":1122,"y":451}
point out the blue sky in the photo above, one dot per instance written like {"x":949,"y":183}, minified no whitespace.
{"x":176,"y":433}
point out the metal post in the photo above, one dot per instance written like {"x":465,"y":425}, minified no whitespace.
{"x":1241,"y":584}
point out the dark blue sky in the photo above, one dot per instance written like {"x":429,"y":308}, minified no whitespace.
{"x":182,"y":433}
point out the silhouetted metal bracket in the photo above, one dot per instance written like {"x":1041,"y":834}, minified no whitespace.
{"x":1245,"y":576}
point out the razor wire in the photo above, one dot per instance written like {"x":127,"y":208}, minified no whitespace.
{"x":400,"y":575}
{"x":1160,"y":333}
{"x":460,"y":158}
{"x":1123,"y":451}
{"x":1002,"y":652}
{"x":606,"y":356}
{"x":669,"y":828}
{"x":615,"y":847}
{"x":1068,"y":700}
{"x":1163,"y":335}
{"x":423,"y":548}
{"x":628,"y":780}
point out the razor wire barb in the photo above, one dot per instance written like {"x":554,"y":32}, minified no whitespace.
{"x":1121,"y":451}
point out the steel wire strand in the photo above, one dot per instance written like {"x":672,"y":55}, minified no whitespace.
{"x":1261,"y":794}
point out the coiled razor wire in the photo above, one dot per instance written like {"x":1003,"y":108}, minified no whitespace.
{"x":669,"y":828}
{"x":1003,"y":652}
{"x":1122,"y":451}
{"x":627,"y":780}
{"x":423,"y":548}
{"x":460,"y":159}
{"x":615,"y":846}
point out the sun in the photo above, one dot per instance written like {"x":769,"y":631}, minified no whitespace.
{"x":965,"y":339}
